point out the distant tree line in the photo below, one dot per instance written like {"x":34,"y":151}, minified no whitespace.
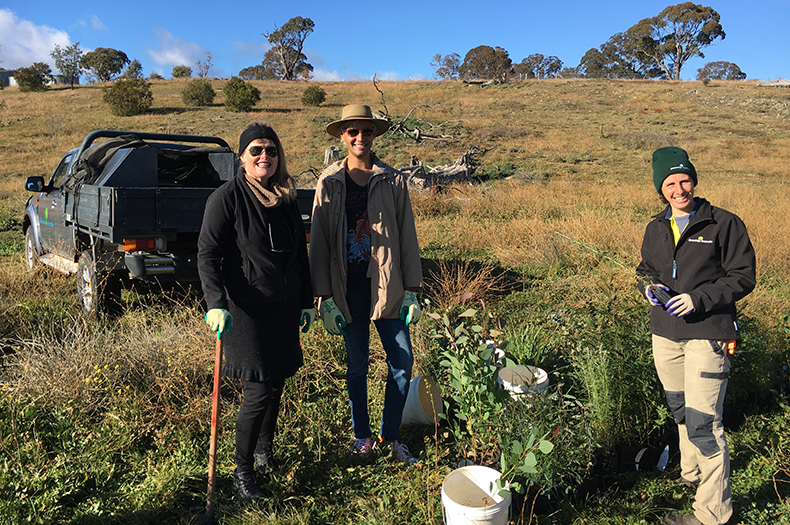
{"x":654,"y":48}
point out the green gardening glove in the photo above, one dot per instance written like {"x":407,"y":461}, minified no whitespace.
{"x":219,"y":320}
{"x":334,"y":321}
{"x":410,"y":309}
{"x":308,"y":316}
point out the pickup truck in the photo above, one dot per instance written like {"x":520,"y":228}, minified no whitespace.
{"x":127,"y":211}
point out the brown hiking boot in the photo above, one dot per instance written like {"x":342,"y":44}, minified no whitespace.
{"x":692,"y":485}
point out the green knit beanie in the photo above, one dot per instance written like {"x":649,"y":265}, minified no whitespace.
{"x":667,"y":161}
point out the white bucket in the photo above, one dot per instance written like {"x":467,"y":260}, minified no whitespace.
{"x":522,"y":379}
{"x":470,"y":497}
{"x":423,"y":404}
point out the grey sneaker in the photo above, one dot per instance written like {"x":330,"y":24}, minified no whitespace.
{"x":402,"y":452}
{"x":362,"y":447}
{"x":675,"y":518}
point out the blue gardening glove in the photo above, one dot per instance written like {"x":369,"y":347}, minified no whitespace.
{"x":410,"y":309}
{"x":307,"y":318}
{"x":334,"y":321}
{"x":220,"y":321}
{"x":680,"y":305}
{"x":649,"y":293}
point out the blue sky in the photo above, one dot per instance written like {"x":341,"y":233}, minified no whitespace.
{"x":356,"y":40}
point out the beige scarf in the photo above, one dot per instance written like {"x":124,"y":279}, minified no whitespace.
{"x":270,"y":199}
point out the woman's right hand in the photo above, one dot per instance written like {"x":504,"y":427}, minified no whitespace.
{"x":219,"y":320}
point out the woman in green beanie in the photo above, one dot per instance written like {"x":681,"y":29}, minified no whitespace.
{"x":697,"y":261}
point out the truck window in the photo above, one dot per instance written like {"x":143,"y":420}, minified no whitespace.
{"x":60,"y":172}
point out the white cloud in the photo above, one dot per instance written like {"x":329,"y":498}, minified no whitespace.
{"x":97,"y":24}
{"x":387,"y":75}
{"x":325,"y":75}
{"x":174,"y":51}
{"x":94,"y":23}
{"x":22,"y":42}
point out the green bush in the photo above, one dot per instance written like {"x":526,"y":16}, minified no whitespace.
{"x":240,"y":96}
{"x":182,"y":71}
{"x":155,"y":76}
{"x":198,"y":92}
{"x":128,"y":96}
{"x":33,"y":78}
{"x":313,"y":96}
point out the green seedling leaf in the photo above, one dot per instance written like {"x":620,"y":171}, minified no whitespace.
{"x":517,"y":448}
{"x":434,"y":316}
{"x":531,"y":460}
{"x":469,"y":313}
{"x":546,"y":446}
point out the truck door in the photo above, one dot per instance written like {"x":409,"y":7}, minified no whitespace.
{"x":55,"y":236}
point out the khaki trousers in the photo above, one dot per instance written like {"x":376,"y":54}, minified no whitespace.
{"x":694,"y":375}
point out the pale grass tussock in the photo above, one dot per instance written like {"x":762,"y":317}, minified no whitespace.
{"x":454,"y":283}
{"x":98,"y":363}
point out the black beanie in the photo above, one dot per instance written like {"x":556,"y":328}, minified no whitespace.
{"x":256,"y":131}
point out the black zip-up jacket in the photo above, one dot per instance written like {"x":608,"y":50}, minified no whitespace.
{"x":235,"y":252}
{"x":713,"y":262}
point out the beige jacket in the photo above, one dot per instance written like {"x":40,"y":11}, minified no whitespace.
{"x":394,"y":251}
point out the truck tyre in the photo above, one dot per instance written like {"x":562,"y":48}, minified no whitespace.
{"x":31,"y":255}
{"x":99,"y":293}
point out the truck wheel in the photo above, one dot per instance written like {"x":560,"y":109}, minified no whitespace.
{"x":31,"y":255}
{"x":99,"y":293}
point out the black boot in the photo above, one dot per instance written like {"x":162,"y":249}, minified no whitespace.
{"x":264,"y":460}
{"x":245,"y":486}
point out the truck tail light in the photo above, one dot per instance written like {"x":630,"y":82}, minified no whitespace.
{"x":142,"y":244}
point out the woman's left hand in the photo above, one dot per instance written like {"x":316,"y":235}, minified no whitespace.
{"x":410,"y":311}
{"x":308,"y":316}
{"x":680,"y":305}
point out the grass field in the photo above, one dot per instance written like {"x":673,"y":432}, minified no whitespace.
{"x":106,"y":421}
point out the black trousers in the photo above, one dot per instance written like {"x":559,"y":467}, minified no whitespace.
{"x":257,"y":420}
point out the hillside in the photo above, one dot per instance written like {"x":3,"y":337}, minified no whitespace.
{"x":106,"y":420}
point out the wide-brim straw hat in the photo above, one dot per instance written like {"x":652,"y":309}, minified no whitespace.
{"x":354,"y":112}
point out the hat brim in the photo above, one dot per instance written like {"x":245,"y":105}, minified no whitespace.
{"x":381,"y":125}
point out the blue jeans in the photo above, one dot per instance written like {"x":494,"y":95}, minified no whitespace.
{"x":395,"y":339}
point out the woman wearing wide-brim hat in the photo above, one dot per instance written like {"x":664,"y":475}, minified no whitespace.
{"x":697,"y":261}
{"x":365,"y":265}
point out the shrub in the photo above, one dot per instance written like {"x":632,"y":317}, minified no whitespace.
{"x":182,"y":71}
{"x":240,"y":96}
{"x":720,"y":70}
{"x":155,"y":76}
{"x":198,"y":92}
{"x":33,"y":78}
{"x":128,"y":96}
{"x":313,"y":96}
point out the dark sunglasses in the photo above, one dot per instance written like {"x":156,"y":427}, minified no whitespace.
{"x":354,"y":132}
{"x":271,"y":151}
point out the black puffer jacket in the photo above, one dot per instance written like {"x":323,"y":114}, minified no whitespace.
{"x":713,"y":262}
{"x":234,"y":250}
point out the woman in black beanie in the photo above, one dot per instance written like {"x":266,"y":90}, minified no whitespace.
{"x":252,"y":260}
